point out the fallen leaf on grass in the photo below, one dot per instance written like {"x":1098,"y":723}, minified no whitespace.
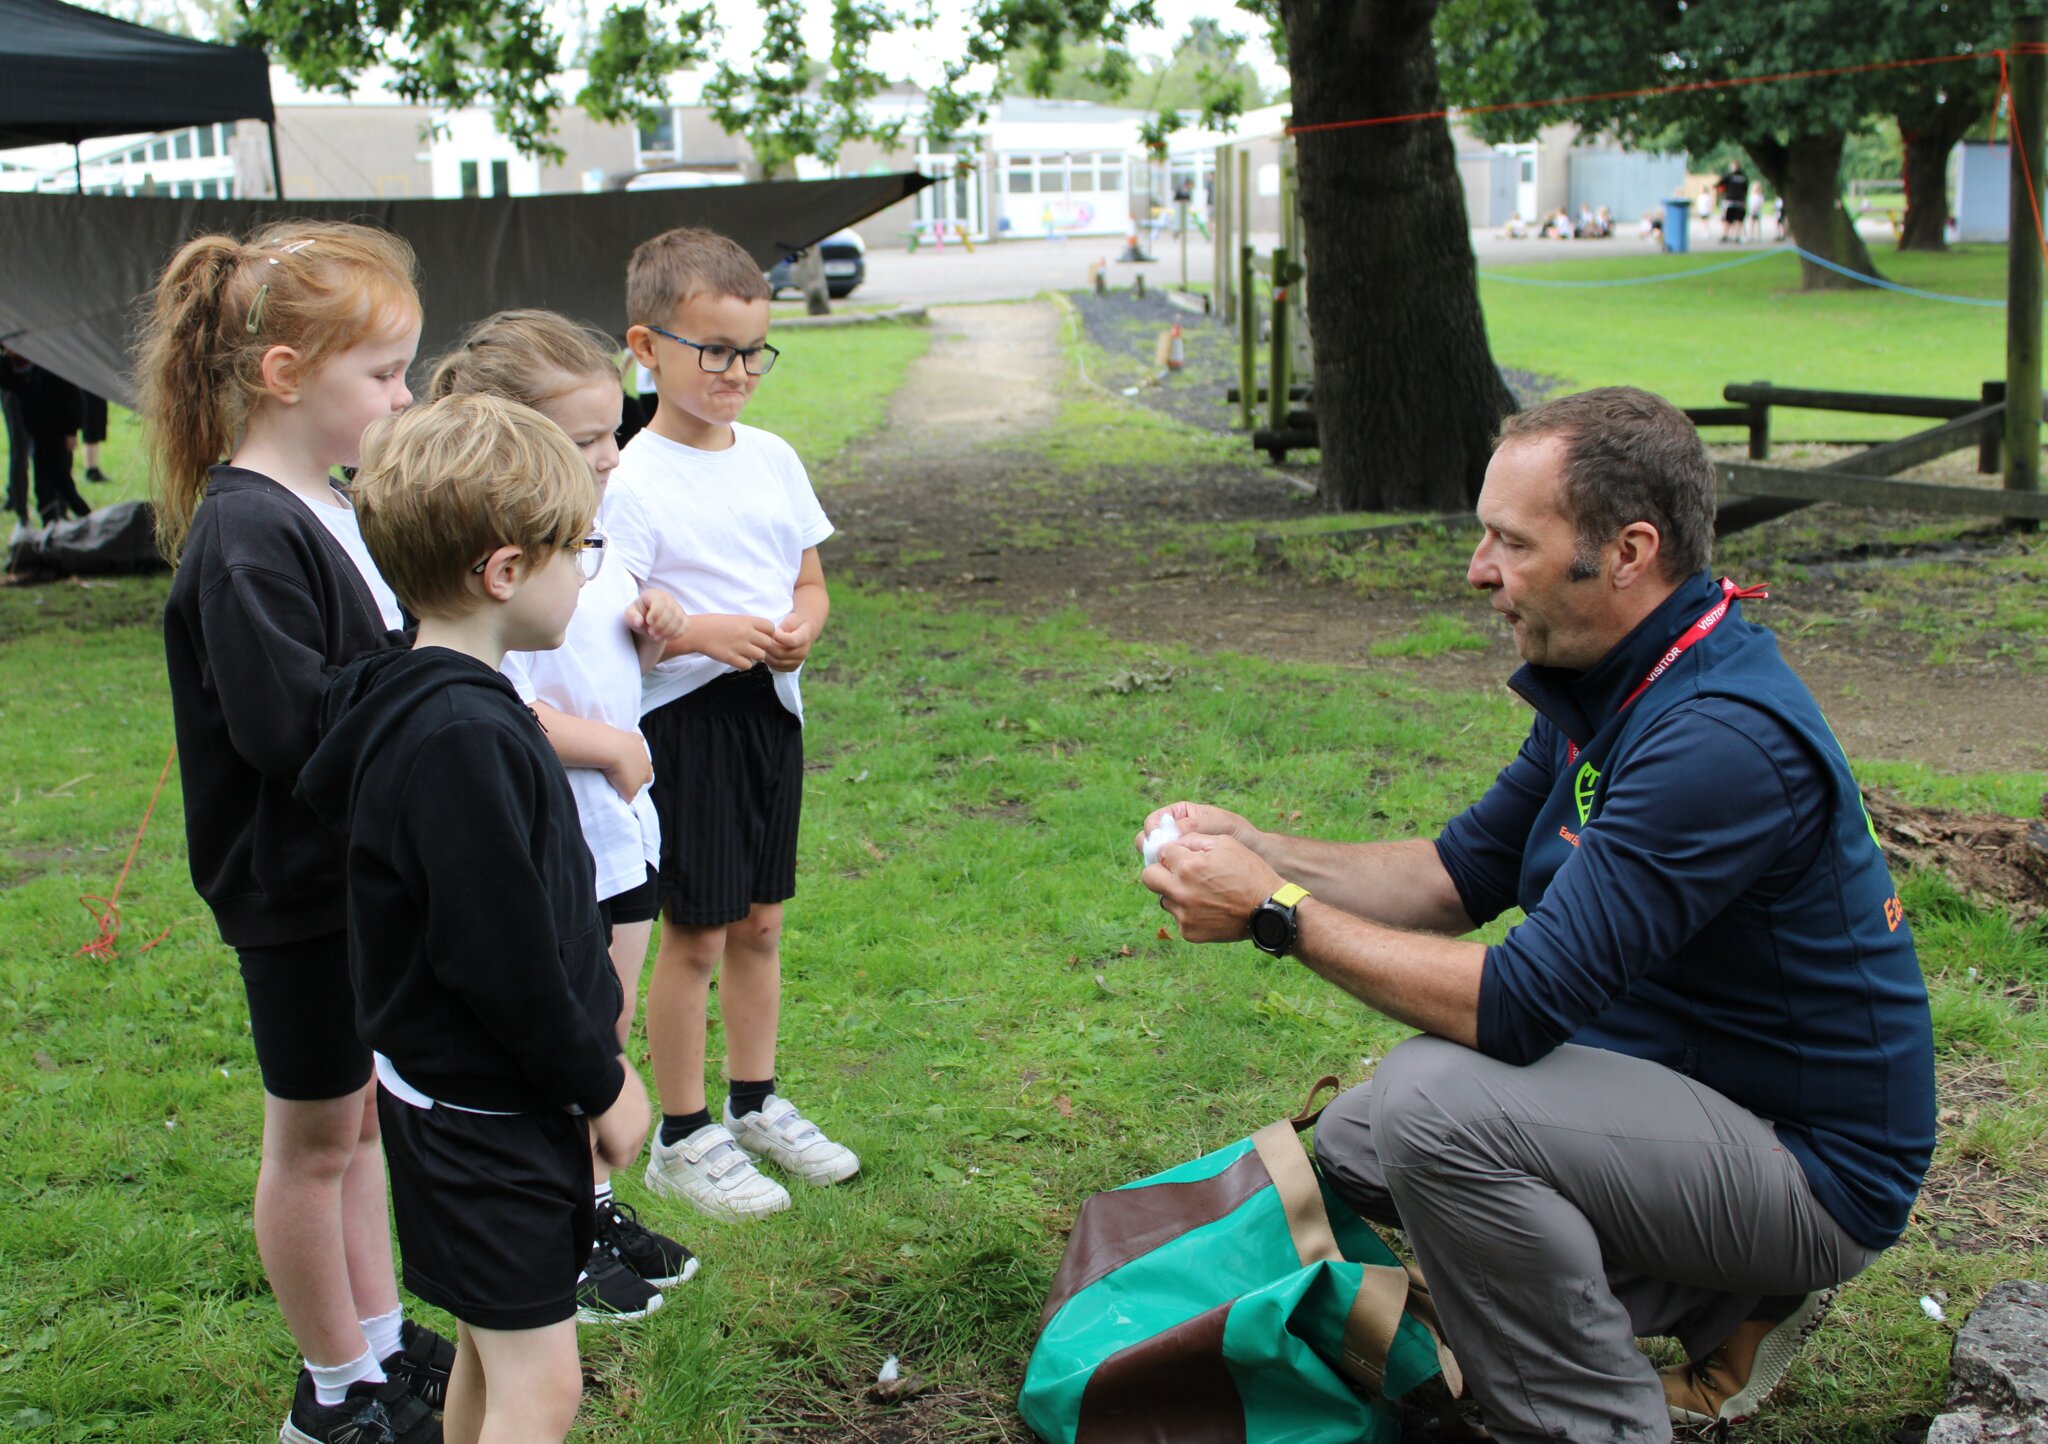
{"x":1065,"y":1105}
{"x":873,"y":851}
{"x":45,"y":1062}
{"x":1165,"y":936}
{"x":1124,"y":951}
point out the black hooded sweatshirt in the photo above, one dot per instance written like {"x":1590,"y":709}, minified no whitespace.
{"x":265,"y":609}
{"x":474,"y":939}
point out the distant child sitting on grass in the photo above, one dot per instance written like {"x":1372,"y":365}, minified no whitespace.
{"x":258,"y":370}
{"x":587,"y":695}
{"x":474,"y":937}
{"x":721,"y":516}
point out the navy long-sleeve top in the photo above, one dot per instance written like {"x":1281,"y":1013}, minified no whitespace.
{"x":1701,"y":888}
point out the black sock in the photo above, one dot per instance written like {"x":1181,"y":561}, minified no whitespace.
{"x":675,"y":1127}
{"x":745,"y":1098}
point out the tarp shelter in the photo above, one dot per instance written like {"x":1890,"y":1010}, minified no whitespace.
{"x":68,"y":75}
{"x":74,"y":268}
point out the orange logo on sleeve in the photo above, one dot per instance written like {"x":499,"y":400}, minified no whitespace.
{"x":1568,"y":835}
{"x":1894,"y":914}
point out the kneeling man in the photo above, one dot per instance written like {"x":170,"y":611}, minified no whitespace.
{"x":1693,"y":1090}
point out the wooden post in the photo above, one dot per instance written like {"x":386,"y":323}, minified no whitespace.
{"x":1247,"y":339}
{"x":1760,"y":429}
{"x":1241,"y":192}
{"x":1988,"y":448}
{"x":1223,"y":284}
{"x":2029,"y":119}
{"x":1277,"y":379}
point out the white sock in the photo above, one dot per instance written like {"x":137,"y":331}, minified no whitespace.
{"x":331,"y":1381}
{"x":604,"y":1193}
{"x":383,"y":1333}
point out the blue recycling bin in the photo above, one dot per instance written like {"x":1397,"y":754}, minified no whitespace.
{"x":1677,"y":218}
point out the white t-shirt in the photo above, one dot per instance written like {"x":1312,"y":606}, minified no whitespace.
{"x":720,"y":531}
{"x":340,"y":519}
{"x":595,"y":674}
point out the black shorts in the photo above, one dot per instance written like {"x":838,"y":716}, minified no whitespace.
{"x":302,"y":1014}
{"x":638,"y":905}
{"x":495,"y":1212}
{"x":1734,"y":213}
{"x":729,"y":788}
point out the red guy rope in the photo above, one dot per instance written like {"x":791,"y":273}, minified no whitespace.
{"x":1696,"y":85}
{"x":2019,"y":146}
{"x":106,"y":911}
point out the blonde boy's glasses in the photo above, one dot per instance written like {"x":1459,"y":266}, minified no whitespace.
{"x":589,"y":553}
{"x":718,"y":359}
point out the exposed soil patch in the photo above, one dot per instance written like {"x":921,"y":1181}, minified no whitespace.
{"x":1996,"y":862}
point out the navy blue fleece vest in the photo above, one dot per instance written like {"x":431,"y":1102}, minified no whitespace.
{"x":1810,"y":1010}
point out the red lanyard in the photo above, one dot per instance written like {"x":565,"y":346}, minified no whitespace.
{"x":1709,"y":619}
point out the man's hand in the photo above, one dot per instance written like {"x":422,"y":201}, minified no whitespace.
{"x":1212,"y":884}
{"x":619,"y":1131}
{"x":654,"y":613}
{"x":630,"y":768}
{"x":1195,"y":817}
{"x":792,"y":642}
{"x":737,"y":641}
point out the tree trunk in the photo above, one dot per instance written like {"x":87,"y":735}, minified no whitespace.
{"x":1407,"y":396}
{"x":1928,"y":144}
{"x":1807,"y":172}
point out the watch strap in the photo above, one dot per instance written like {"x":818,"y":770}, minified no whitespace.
{"x":1288,"y":894}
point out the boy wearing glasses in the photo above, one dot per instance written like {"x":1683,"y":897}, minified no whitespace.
{"x":475,"y":947}
{"x":722,"y":517}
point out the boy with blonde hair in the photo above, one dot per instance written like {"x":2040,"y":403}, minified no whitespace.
{"x":475,"y":946}
{"x":721,"y":517}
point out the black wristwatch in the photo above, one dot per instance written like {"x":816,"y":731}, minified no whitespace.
{"x":1274,"y":926}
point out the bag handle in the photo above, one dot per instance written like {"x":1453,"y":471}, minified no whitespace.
{"x":1385,"y":1292}
{"x":1306,"y":1119}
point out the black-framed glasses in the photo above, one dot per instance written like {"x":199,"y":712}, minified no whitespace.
{"x":717,"y":358}
{"x":589,"y":556}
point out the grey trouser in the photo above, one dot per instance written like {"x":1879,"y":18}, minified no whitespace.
{"x":1562,"y":1210}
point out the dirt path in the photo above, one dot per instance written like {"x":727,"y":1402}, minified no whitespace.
{"x":956,"y":496}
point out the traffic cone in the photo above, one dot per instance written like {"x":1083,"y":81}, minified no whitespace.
{"x":1177,"y":353}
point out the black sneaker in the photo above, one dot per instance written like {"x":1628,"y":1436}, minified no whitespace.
{"x":370,"y":1414}
{"x":422,"y":1363}
{"x":93,"y":473}
{"x":656,"y":1257}
{"x":611,"y":1293}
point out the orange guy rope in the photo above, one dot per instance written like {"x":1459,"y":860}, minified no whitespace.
{"x":108,"y":910}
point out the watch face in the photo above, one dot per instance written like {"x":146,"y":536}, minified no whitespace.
{"x":1269,"y":928}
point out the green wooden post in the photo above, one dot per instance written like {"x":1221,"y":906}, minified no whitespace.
{"x":1222,"y":300}
{"x":2028,"y":121}
{"x":1277,"y":379}
{"x":1247,"y":339}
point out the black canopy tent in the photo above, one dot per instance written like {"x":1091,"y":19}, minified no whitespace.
{"x":73,"y":268}
{"x":68,"y":75}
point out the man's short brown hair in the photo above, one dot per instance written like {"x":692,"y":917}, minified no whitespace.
{"x":445,"y":484}
{"x":1629,"y":456}
{"x":688,"y":261}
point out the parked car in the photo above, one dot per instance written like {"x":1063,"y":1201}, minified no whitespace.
{"x":846,"y":265}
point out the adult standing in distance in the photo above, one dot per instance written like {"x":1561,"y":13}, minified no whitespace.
{"x":1693,"y":1091}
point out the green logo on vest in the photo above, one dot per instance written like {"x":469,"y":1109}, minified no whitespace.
{"x":1582,"y":790}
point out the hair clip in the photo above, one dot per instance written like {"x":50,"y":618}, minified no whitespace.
{"x":256,"y":307}
{"x":294,"y":248}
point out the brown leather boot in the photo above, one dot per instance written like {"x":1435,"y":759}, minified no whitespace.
{"x":1730,"y":1384}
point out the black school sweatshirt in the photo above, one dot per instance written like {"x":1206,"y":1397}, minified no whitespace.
{"x":265,"y":609}
{"x":474,"y":940}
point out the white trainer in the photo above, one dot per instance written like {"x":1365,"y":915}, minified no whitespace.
{"x":710,"y":1172}
{"x":790,"y":1141}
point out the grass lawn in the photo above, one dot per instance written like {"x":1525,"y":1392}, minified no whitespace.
{"x":1687,"y":338}
{"x":979,"y":1000}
